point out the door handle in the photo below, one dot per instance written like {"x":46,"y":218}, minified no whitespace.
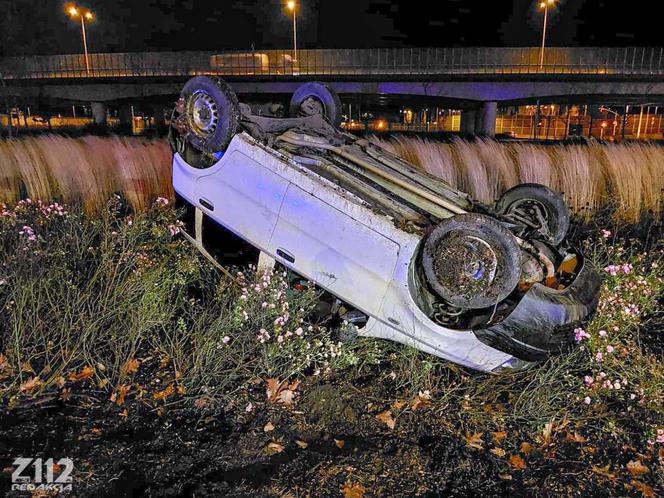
{"x":285,"y":255}
{"x":206,"y":204}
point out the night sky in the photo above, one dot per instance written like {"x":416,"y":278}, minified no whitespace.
{"x":40,"y":26}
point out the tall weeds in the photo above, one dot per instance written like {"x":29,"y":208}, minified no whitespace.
{"x":84,"y":171}
{"x":628,"y":177}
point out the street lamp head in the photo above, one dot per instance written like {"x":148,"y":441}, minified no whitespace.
{"x":89,"y":16}
{"x":291,"y":5}
{"x":72,"y":11}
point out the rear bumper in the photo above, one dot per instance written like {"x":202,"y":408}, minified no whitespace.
{"x":543,"y":322}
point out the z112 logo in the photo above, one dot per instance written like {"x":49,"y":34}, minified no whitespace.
{"x":46,"y":475}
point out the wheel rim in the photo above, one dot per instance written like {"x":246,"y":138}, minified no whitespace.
{"x":466,"y":265}
{"x":204,"y":114}
{"x":312,"y":106}
{"x":477,"y":267}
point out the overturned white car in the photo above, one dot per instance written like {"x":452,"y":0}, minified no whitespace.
{"x":411,"y":259}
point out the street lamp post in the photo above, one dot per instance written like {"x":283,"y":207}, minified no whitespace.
{"x":545,"y":5}
{"x":85,"y":16}
{"x":292,"y":6}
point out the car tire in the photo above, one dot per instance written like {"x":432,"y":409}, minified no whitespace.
{"x":538,"y":204}
{"x":471,"y":261}
{"x":316,"y":98}
{"x":211,"y":114}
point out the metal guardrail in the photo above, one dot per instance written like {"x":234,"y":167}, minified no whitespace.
{"x":343,"y":62}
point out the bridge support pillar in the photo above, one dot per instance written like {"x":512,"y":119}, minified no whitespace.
{"x":468,"y":118}
{"x":159,"y":120}
{"x":486,"y":122}
{"x":99,"y":112}
{"x":125,"y":115}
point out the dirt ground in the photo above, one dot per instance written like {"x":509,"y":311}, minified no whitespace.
{"x":334,"y":440}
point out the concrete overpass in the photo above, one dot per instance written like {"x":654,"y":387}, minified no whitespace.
{"x":476,"y":79}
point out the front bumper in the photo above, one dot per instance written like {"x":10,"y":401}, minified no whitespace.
{"x":543,"y":322}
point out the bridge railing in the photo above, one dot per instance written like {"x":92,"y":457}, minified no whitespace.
{"x":343,"y":62}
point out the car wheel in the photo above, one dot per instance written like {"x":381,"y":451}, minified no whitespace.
{"x":471,"y":261}
{"x":316,"y":98}
{"x":210,"y":114}
{"x":540,"y":208}
{"x":180,"y":145}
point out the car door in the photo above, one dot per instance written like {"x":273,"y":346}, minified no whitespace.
{"x":342,"y":255}
{"x":243,"y":196}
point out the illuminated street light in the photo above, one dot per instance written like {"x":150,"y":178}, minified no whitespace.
{"x":545,"y":4}
{"x":292,"y":6}
{"x":84,"y":15}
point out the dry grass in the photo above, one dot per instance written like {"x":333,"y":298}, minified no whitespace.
{"x":87,"y":170}
{"x":628,"y":177}
{"x":84,"y":171}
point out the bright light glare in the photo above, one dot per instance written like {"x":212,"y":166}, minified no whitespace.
{"x":73,"y":11}
{"x":89,"y":16}
{"x":291,"y":5}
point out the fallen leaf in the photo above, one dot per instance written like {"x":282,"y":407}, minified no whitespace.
{"x":575,"y":437}
{"x":526,"y":448}
{"x":636,"y":468}
{"x":546,"y":433}
{"x":273,"y":448}
{"x":516,"y":462}
{"x":350,"y":490}
{"x":124,"y":413}
{"x":201,"y":403}
{"x":119,"y":394}
{"x":30,"y":385}
{"x":505,"y":477}
{"x":280,"y":392}
{"x":4,"y":364}
{"x":646,"y":490}
{"x":340,"y":443}
{"x":65,"y":394}
{"x":26,"y":367}
{"x":499,"y":452}
{"x":162,"y":395}
{"x":269,"y":427}
{"x":386,"y":418}
{"x":399,"y":404}
{"x":498,"y":436}
{"x":475,"y":440}
{"x":181,"y":390}
{"x":301,"y":444}
{"x":60,"y":382}
{"x":603,"y":471}
{"x":129,"y":367}
{"x":84,"y":374}
{"x":273,"y":388}
{"x":422,"y":401}
{"x":286,"y":397}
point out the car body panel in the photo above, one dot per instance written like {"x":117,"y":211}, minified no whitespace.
{"x":341,"y":242}
{"x":305,"y":228}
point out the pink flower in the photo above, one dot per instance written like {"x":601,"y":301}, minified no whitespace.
{"x":660,"y":435}
{"x":599,"y":357}
{"x":580,"y":334}
{"x":586,"y":400}
{"x":609,"y":349}
{"x":606,"y":234}
{"x":588,"y":380}
{"x":602,"y":333}
{"x":226,"y":340}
